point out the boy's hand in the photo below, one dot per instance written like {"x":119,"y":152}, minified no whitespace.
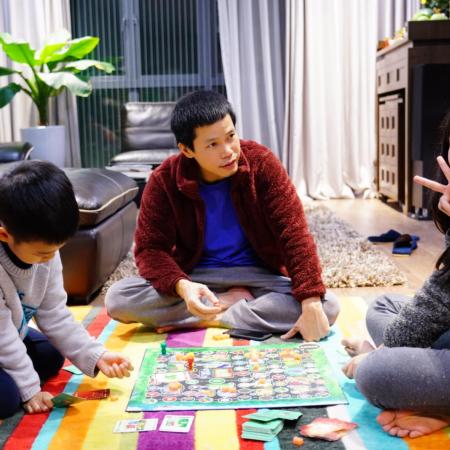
{"x":312,"y":324}
{"x":192,"y":294}
{"x":41,"y":402}
{"x":114,"y":365}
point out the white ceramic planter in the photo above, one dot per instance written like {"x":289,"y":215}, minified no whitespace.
{"x":49,"y":143}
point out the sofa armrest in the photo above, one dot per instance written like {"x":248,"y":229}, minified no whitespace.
{"x":15,"y":151}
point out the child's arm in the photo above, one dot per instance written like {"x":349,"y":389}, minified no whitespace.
{"x":421,"y":321}
{"x":57,"y":323}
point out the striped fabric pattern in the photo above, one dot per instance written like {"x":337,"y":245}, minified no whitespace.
{"x":88,"y":425}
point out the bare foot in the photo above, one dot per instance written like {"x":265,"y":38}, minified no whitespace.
{"x":233,"y":295}
{"x":403,"y":423}
{"x":355,"y":346}
{"x":350,"y":368}
{"x":199,"y":324}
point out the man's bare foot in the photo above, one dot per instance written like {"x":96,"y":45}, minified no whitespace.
{"x":403,"y":423}
{"x":355,"y":346}
{"x":233,"y":295}
{"x":199,"y":324}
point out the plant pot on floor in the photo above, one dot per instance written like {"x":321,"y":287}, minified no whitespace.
{"x":49,"y":143}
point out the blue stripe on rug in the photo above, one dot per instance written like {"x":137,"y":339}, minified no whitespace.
{"x":56,"y":416}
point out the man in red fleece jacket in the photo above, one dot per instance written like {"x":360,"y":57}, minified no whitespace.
{"x":222,"y":238}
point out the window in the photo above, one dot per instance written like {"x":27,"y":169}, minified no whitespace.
{"x":161,"y":49}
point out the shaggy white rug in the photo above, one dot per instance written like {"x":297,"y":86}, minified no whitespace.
{"x":348,"y":259}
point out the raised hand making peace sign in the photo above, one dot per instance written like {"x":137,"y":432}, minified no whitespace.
{"x":444,"y":189}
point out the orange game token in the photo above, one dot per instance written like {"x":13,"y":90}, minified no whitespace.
{"x":174,"y":386}
{"x":298,"y":441}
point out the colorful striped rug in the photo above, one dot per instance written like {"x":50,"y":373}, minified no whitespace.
{"x":88,"y":425}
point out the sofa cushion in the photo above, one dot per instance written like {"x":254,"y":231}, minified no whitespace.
{"x":100,"y":193}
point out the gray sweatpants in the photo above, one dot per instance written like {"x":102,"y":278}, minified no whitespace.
{"x":410,"y":378}
{"x":274,"y":308}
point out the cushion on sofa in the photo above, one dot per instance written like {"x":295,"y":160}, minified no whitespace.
{"x":100,"y":193}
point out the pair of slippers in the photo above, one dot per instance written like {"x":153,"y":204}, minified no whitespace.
{"x":403,"y":244}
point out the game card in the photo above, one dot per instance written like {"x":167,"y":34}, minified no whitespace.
{"x":96,"y":394}
{"x":135,"y":425}
{"x":176,"y":424}
{"x":62,"y":400}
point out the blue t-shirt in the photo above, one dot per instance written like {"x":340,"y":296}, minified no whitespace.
{"x":225,"y":243}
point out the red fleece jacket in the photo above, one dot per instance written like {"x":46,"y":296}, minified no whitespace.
{"x":170,"y":230}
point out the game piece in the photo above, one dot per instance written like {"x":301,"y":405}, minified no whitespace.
{"x":163,"y":348}
{"x":221,"y":337}
{"x":73,"y":369}
{"x":62,"y":400}
{"x":190,"y":361}
{"x":328,"y":429}
{"x":175,"y":386}
{"x":298,"y":441}
{"x":135,"y":425}
{"x":176,"y":424}
{"x":97,"y":394}
{"x":223,"y":378}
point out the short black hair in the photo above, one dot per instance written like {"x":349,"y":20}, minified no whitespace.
{"x":37,"y":203}
{"x":197,"y":109}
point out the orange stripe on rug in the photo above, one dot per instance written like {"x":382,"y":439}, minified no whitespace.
{"x":439,"y":440}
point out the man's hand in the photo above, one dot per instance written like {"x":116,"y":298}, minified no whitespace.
{"x":444,"y":201}
{"x":41,"y":402}
{"x":192,"y":294}
{"x":312,"y":324}
{"x":114,"y":365}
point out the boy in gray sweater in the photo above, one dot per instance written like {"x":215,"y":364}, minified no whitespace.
{"x":38,"y":213}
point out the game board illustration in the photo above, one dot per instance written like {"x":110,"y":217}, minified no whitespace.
{"x":269,"y":376}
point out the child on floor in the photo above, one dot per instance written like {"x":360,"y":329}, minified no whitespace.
{"x":407,"y":375}
{"x":38,"y":213}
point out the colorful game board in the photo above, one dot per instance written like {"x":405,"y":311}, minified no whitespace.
{"x":269,"y":376}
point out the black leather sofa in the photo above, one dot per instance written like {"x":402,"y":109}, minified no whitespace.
{"x":107,"y":224}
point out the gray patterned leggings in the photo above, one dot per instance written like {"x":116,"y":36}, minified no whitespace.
{"x":416,"y":379}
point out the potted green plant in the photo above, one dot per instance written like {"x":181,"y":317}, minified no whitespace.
{"x":60,"y":64}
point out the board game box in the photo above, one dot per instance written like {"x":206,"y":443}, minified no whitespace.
{"x":263,"y":376}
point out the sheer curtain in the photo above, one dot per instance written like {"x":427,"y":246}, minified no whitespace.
{"x":328,"y":126}
{"x":33,"y":21}
{"x":251,"y":42}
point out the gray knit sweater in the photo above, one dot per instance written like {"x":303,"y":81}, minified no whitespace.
{"x":40,"y":293}
{"x":421,"y":321}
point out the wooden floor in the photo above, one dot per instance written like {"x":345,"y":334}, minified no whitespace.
{"x":373,"y":217}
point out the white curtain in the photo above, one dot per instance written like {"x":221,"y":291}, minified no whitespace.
{"x":329,"y":140}
{"x":330,"y":96}
{"x":33,"y":20}
{"x":252,"y":59}
{"x":393,"y":14}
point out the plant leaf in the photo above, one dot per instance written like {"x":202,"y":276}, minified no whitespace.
{"x":75,"y":49}
{"x":53,"y":44}
{"x":68,"y":80}
{"x":18,"y":51}
{"x":8,"y":92}
{"x":87,"y":63}
{"x":7,"y":71}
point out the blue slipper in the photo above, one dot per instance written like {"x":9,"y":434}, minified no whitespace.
{"x":389,"y":236}
{"x":405,"y":244}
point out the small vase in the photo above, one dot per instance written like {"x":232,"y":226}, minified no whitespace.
{"x":49,"y":143}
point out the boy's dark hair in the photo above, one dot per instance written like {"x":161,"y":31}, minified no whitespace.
{"x":197,"y":109}
{"x":441,"y":219}
{"x":37,"y":203}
